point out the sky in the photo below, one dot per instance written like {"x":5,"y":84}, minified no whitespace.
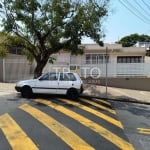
{"x":122,"y":21}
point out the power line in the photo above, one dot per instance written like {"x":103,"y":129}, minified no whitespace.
{"x":148,"y":6}
{"x":135,"y":9}
{"x":133,"y":12}
{"x":140,"y":6}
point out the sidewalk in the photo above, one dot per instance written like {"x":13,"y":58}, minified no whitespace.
{"x":7,"y":88}
{"x":117,"y":94}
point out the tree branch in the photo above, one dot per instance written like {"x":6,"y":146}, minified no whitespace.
{"x":32,"y":49}
{"x":58,"y":47}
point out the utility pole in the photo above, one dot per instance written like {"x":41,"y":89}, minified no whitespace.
{"x":4,"y":69}
{"x":106,"y":78}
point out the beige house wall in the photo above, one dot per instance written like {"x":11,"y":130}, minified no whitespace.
{"x":1,"y":70}
{"x":113,"y":50}
{"x":147,"y":59}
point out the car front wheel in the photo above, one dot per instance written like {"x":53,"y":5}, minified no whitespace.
{"x":26,"y":92}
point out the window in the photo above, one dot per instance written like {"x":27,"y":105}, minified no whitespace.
{"x":130,"y":59}
{"x":96,"y":58}
{"x":45,"y":77}
{"x":88,"y":59}
{"x":50,"y":76}
{"x":53,"y":76}
{"x":16,"y":50}
{"x":67,"y":77}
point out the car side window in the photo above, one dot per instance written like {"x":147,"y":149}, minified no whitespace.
{"x":67,"y":77}
{"x":63,"y":77}
{"x":72,"y":77}
{"x":50,"y":76}
{"x":53,"y":76}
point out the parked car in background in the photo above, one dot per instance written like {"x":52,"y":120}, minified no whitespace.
{"x":69,"y":84}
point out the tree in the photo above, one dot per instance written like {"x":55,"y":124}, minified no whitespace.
{"x":48,"y":26}
{"x":3,"y":44}
{"x":132,"y":39}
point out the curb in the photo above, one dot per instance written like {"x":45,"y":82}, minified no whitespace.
{"x":122,"y":100}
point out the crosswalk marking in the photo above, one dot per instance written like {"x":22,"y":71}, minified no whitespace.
{"x":98,"y":105}
{"x":95,"y":112}
{"x":116,"y":140}
{"x":144,"y":131}
{"x":74,"y":141}
{"x":102,"y":101}
{"x":15,"y":135}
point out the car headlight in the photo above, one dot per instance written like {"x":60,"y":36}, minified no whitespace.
{"x":20,"y":83}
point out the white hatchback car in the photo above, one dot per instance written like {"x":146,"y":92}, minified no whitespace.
{"x":69,"y":84}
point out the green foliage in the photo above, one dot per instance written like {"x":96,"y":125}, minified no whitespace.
{"x":132,"y":39}
{"x":3,"y":51}
{"x":3,"y":44}
{"x":51,"y":60}
{"x":8,"y":42}
{"x":29,"y":55}
{"x":47,"y":26}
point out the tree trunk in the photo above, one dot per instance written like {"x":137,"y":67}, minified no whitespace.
{"x":39,"y":68}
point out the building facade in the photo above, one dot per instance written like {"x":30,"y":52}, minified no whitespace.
{"x":111,"y":60}
{"x":121,"y":61}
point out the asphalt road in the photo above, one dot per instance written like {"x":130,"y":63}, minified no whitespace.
{"x":136,"y":121}
{"x":56,"y":123}
{"x":10,"y":101}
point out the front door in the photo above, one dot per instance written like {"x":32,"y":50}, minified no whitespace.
{"x":48,"y":83}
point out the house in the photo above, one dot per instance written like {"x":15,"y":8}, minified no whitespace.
{"x":111,"y":60}
{"x":145,"y":45}
{"x":142,"y":44}
{"x":121,"y":61}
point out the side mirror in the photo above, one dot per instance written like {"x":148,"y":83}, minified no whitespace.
{"x":41,"y":79}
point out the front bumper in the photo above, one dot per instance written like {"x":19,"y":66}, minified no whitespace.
{"x":18,"y":89}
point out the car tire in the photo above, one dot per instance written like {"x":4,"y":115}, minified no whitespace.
{"x":26,"y":92}
{"x":72,"y":94}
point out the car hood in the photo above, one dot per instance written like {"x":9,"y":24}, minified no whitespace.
{"x":28,"y":82}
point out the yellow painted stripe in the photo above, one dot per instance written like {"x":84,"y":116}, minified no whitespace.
{"x":102,"y":101}
{"x":143,"y":131}
{"x":98,"y":105}
{"x":95,"y":112}
{"x":116,"y":140}
{"x":74,"y":141}
{"x":16,"y":137}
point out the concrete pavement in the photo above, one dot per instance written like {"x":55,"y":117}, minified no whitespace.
{"x":97,"y":91}
{"x":7,"y":88}
{"x":117,"y":94}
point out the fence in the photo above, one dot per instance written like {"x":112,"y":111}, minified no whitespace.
{"x":13,"y":70}
{"x":101,"y":70}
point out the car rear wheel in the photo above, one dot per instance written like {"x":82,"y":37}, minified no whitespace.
{"x":72,"y":94}
{"x":26,"y":92}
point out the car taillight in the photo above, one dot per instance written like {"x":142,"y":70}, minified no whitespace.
{"x":81,"y":88}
